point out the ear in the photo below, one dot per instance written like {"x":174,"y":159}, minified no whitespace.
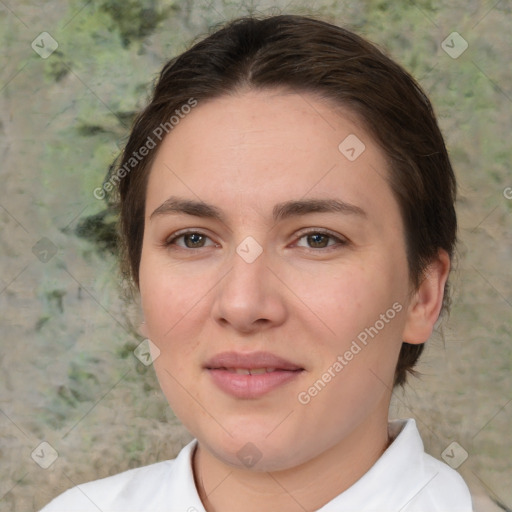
{"x":426,"y":303}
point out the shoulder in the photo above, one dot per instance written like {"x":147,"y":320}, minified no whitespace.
{"x":445,"y":490}
{"x":135,"y":489}
{"x":102,"y":493}
{"x":431,"y":485}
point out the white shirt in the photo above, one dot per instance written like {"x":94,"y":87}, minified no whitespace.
{"x":404,"y":479}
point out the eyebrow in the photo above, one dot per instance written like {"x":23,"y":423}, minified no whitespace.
{"x":281,"y":211}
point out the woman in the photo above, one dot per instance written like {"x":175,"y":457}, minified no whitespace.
{"x":287,"y":216}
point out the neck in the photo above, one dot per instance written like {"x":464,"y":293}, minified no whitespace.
{"x":224,"y":488}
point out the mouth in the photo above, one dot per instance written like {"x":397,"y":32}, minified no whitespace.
{"x":249,"y":371}
{"x":257,"y":362}
{"x":251,"y":375}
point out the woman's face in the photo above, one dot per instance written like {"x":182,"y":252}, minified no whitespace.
{"x":313,"y":297}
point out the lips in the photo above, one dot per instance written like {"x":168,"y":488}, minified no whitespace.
{"x":250,"y":375}
{"x":254,"y":361}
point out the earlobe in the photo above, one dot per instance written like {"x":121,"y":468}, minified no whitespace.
{"x":427,"y":301}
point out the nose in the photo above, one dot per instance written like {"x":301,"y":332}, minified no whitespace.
{"x":250,"y":297}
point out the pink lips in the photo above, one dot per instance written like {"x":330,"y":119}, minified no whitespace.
{"x":250,"y":375}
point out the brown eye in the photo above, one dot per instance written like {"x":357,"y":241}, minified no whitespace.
{"x":191,"y":240}
{"x":320,"y":240}
{"x":195,"y":239}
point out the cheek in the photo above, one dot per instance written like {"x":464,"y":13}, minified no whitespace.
{"x":343,"y":300}
{"x":174,"y":302}
{"x":356,"y":313}
{"x":168,"y":296}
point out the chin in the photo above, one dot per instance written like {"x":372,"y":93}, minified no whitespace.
{"x":255,"y":449}
{"x":253,"y":456}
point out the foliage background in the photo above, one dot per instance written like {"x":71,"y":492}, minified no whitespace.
{"x":68,"y":372}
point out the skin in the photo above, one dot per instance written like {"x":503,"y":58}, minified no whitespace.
{"x":244,"y":153}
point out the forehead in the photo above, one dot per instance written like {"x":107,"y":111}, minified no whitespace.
{"x":259,"y":148}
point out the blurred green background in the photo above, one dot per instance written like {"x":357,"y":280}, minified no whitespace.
{"x":69,"y":374}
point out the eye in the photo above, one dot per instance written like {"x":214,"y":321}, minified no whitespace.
{"x":314,"y":239}
{"x":319,"y":239}
{"x":191,"y":239}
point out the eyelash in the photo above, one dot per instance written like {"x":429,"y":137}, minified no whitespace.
{"x":340,"y":240}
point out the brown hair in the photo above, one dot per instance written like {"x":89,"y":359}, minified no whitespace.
{"x":304,"y":54}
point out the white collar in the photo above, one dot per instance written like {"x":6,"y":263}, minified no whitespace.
{"x":403,"y":478}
